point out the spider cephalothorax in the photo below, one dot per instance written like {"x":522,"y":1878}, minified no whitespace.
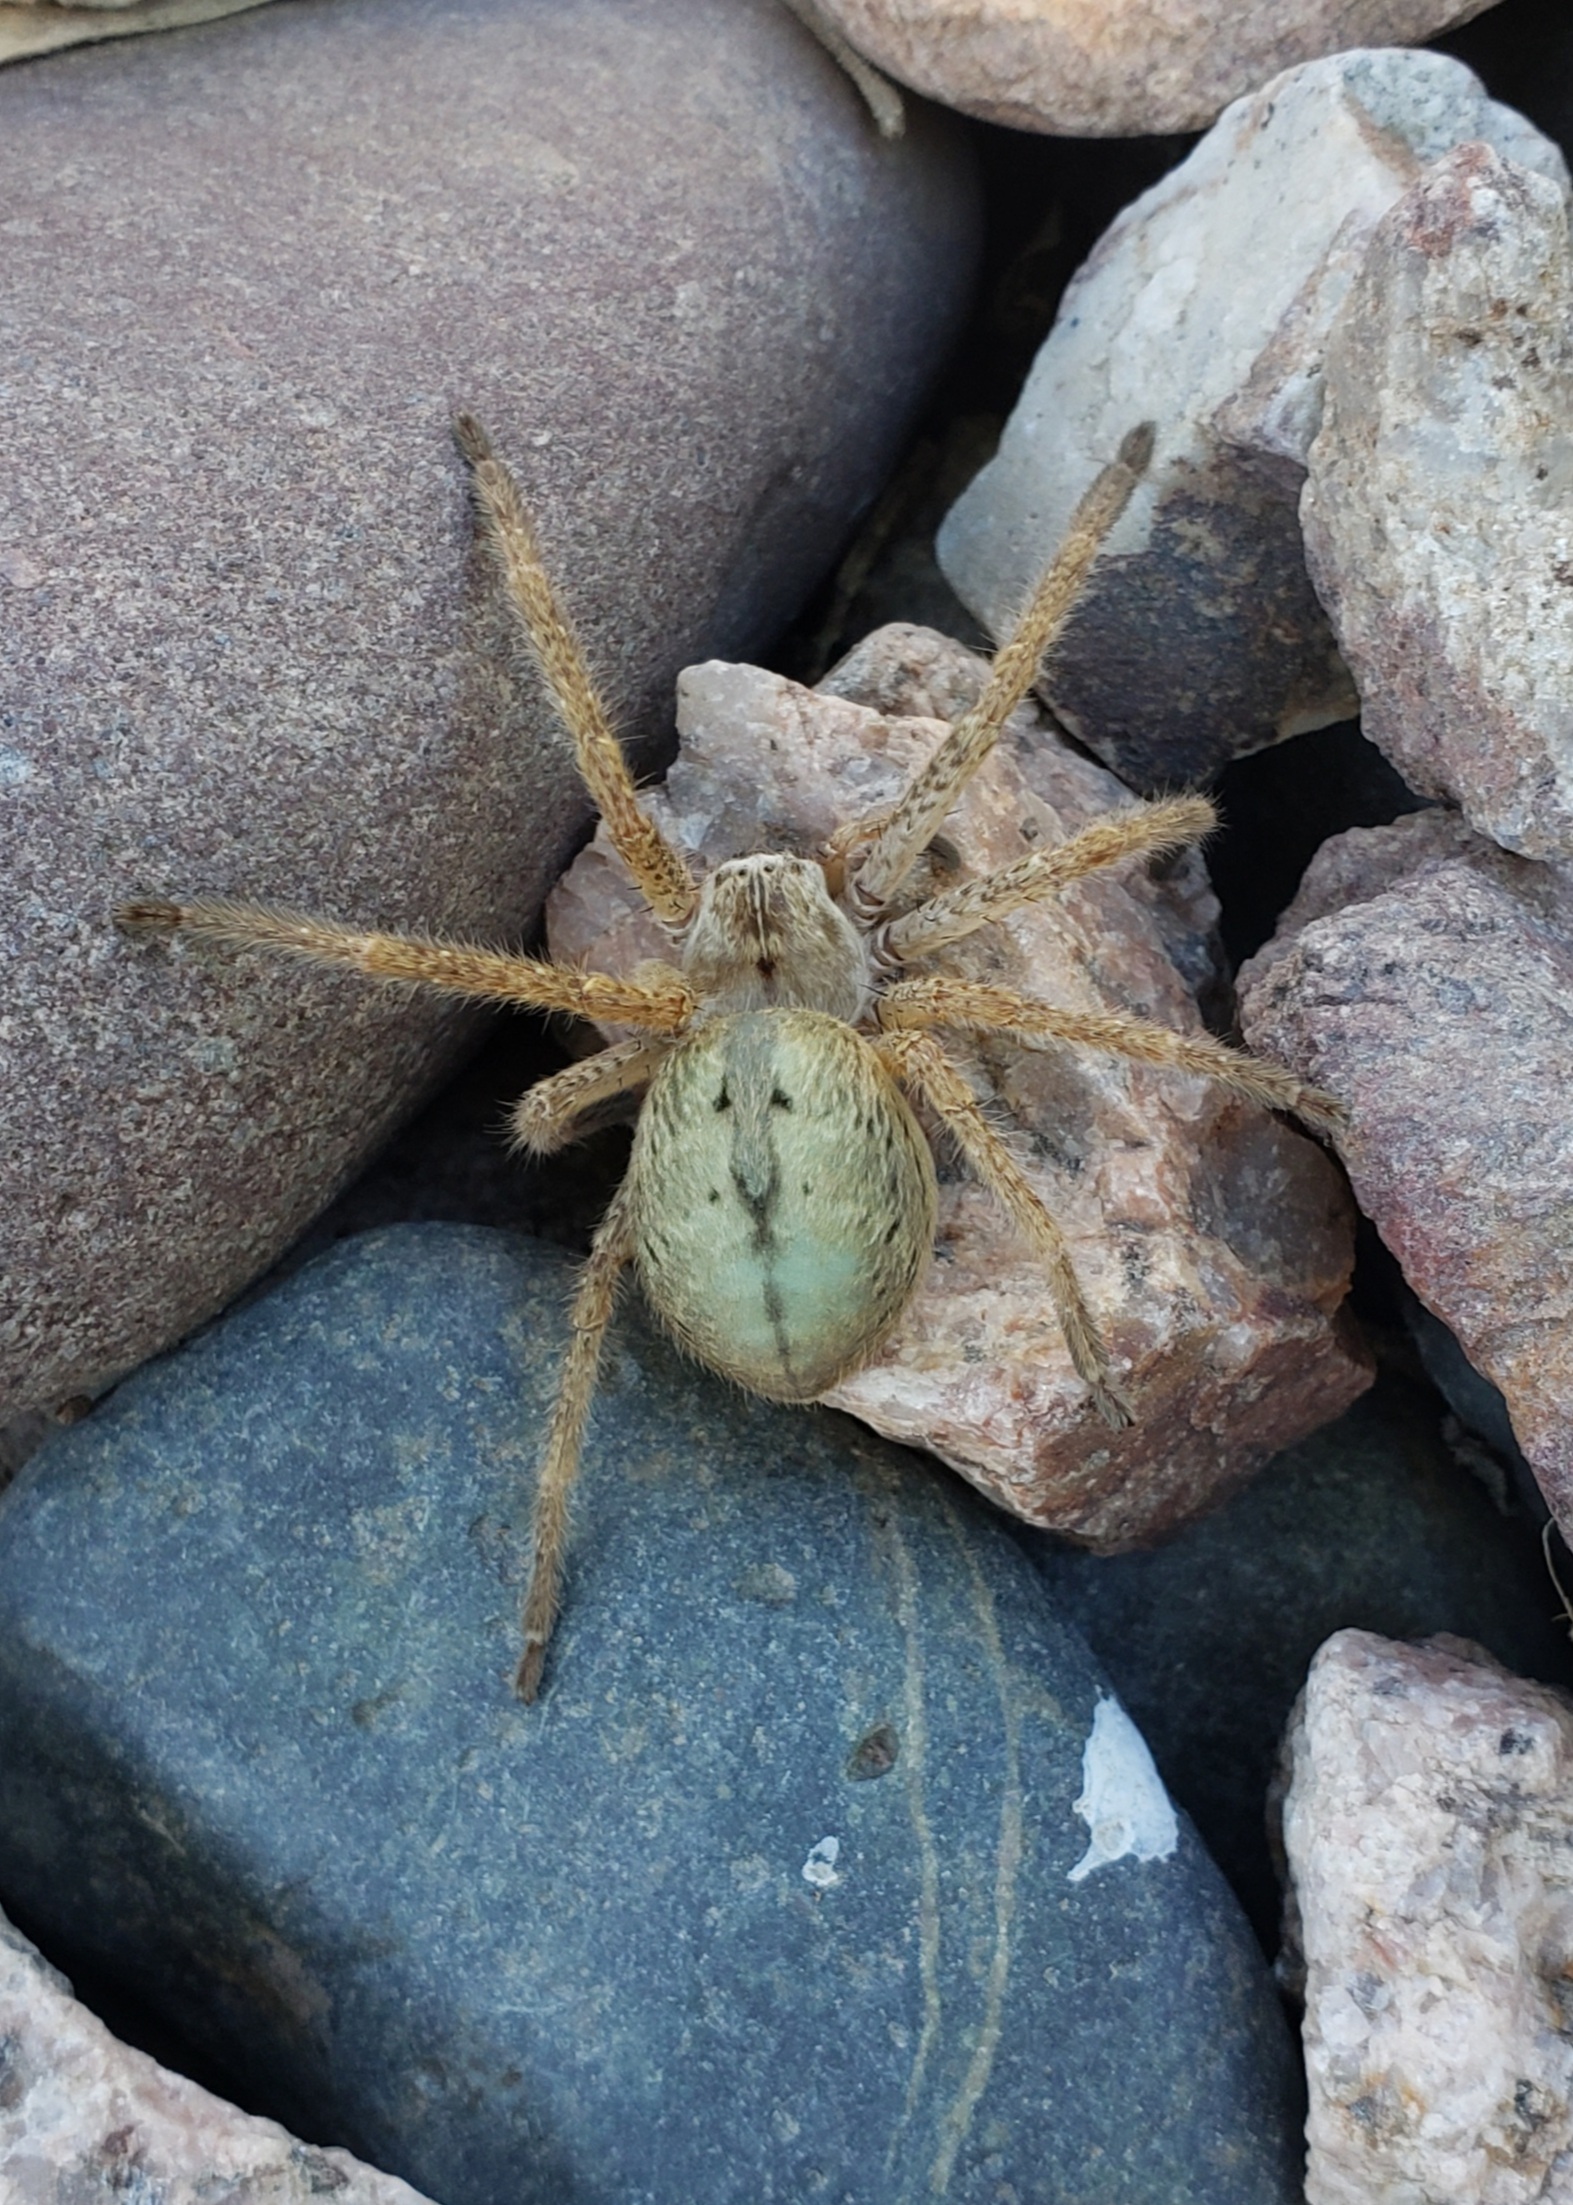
{"x":779,"y":1201}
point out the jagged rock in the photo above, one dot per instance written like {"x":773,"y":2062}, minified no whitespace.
{"x":1214,"y":1242}
{"x":245,"y":646}
{"x":1206,"y":308}
{"x":1426,"y":978}
{"x":774,"y":1894}
{"x":1117,"y":68}
{"x":85,"y":2120}
{"x":1438,"y":509}
{"x":1429,"y":1839}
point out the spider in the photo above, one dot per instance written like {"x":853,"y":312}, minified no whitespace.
{"x":779,"y":1203}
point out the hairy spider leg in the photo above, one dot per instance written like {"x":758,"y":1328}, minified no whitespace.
{"x":972,"y":1007}
{"x":880,"y":96}
{"x":660,"y":871}
{"x":935,"y":787}
{"x":592,"y":1311}
{"x":661,"y":1001}
{"x":921,"y":1064}
{"x":546,"y":1117}
{"x":1146,"y":830}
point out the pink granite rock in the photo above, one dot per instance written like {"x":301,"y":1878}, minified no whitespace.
{"x":1426,"y":977}
{"x":85,"y":2120}
{"x":1118,"y":68}
{"x":1213,"y":1240}
{"x":1438,"y":508}
{"x":1429,"y":1832}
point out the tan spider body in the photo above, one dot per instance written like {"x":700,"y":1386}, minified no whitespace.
{"x":779,"y":1204}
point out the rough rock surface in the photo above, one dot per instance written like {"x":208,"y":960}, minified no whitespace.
{"x":85,"y":2120}
{"x":1206,"y":308}
{"x":1213,"y":1241}
{"x":251,"y":269}
{"x":1438,"y":508}
{"x":1429,"y":1839}
{"x":1426,"y":978}
{"x":1380,"y":1522}
{"x":769,"y":1898}
{"x":29,"y":27}
{"x":1118,"y":68}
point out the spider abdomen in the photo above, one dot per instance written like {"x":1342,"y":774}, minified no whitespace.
{"x":782,"y":1199}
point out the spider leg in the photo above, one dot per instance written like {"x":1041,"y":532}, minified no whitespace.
{"x":880,"y":96}
{"x":920,"y":1063}
{"x":662,"y":1002}
{"x":973,"y":1008}
{"x":592,"y":1310}
{"x":1146,"y":830}
{"x":660,"y":871}
{"x":545,"y":1118}
{"x":937,"y":785}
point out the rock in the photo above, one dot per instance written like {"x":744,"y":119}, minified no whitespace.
{"x":770,"y":1897}
{"x":1373,"y":1522}
{"x":30,"y":27}
{"x":1428,"y":1834}
{"x":1524,"y":50}
{"x":1438,"y":509}
{"x":1206,"y":307}
{"x":1081,"y":69}
{"x":1214,"y":1243}
{"x":1425,"y":978}
{"x":245,"y":644}
{"x":85,"y":2119}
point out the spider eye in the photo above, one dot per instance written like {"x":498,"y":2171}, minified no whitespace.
{"x":723,"y":1101}
{"x":779,"y":1100}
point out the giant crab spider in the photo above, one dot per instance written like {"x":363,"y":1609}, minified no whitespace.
{"x":779,"y":1203}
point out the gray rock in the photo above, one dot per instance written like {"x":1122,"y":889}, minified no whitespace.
{"x":1438,"y":509}
{"x":772,"y":1895}
{"x":1425,"y":977}
{"x":1374,"y":1523}
{"x":251,"y":269}
{"x":1206,"y":308}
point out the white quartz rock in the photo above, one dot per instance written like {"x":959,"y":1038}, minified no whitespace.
{"x":1438,"y":512}
{"x":1429,"y":1833}
{"x":85,"y":2120}
{"x":1206,"y":308}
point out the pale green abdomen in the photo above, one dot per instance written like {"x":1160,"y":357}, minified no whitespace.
{"x":783,"y":1200}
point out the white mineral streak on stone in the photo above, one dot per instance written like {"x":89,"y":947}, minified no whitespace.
{"x":1214,"y":1242}
{"x":1118,"y":68}
{"x":1438,"y":512}
{"x":1429,"y":1833}
{"x":84,"y":2120}
{"x":1425,"y":976}
{"x":820,"y":1867}
{"x":1206,"y":307}
{"x":1123,"y":1802}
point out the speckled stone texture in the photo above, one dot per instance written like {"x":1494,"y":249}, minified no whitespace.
{"x":1427,"y":1826}
{"x":1214,"y":1242}
{"x":1438,"y":515}
{"x":1206,"y":308}
{"x":1380,"y":1522}
{"x":1426,"y":977}
{"x":1118,"y":68}
{"x":768,"y":1898}
{"x":87,"y":2121}
{"x":245,"y":645}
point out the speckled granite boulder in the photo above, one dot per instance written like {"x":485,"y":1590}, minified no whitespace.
{"x":250,"y":270}
{"x":1206,"y":307}
{"x":87,"y":2121}
{"x":1438,"y":516}
{"x":788,"y":1886}
{"x":1118,"y":68}
{"x":1214,"y":1242}
{"x":1426,"y":977}
{"x":1429,"y":1831}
